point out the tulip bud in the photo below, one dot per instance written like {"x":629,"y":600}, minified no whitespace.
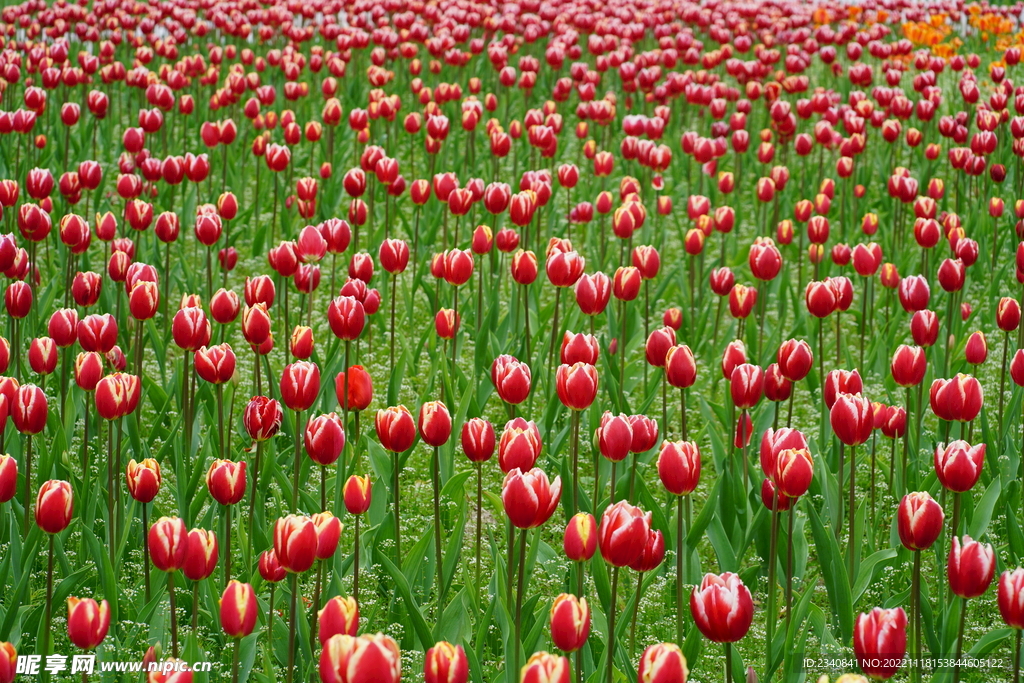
{"x":435,"y":423}
{"x":226,"y":481}
{"x":342,"y":654}
{"x":396,"y":430}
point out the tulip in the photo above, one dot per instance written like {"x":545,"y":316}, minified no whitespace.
{"x":201,"y":557}
{"x":359,"y":392}
{"x":340,"y":615}
{"x":880,"y":641}
{"x":88,"y":622}
{"x":445,"y":663}
{"x":238,"y":612}
{"x":351,"y":659}
{"x":1011,"y":598}
{"x":54,"y":506}
{"x":435,"y":428}
{"x":662,"y":663}
{"x":580,"y":539}
{"x":168,"y":547}
{"x":570,"y":622}
{"x":8,"y":477}
{"x":324,"y":439}
{"x":542,"y":667}
{"x":722,"y":608}
{"x":970,"y":569}
{"x":528,"y":498}
{"x":396,"y":432}
{"x":519,"y":446}
{"x":957,"y":399}
{"x":958,"y":465}
{"x":511,"y":379}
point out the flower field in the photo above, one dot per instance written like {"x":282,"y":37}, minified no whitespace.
{"x":465,"y":341}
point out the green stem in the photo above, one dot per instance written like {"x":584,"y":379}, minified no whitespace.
{"x":517,"y":645}
{"x":611,"y":624}
{"x":435,"y":475}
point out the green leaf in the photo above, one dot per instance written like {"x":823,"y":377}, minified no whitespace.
{"x":419,"y":624}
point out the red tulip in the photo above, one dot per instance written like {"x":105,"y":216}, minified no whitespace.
{"x":528,"y":498}
{"x":576,"y":385}
{"x":511,"y":379}
{"x":958,"y":465}
{"x":29,"y":409}
{"x":340,"y":615}
{"x":445,"y":663}
{"x":579,"y":348}
{"x":919,"y":521}
{"x":970,"y":567}
{"x":270,"y":569}
{"x":976,"y":350}
{"x":592,"y":293}
{"x":722,"y":608}
{"x":851,"y":419}
{"x":300,"y":385}
{"x":435,"y":423}
{"x":226,"y":481}
{"x":662,"y":663}
{"x":360,"y":388}
{"x":795,"y":359}
{"x":357,"y":494}
{"x":909,"y":365}
{"x":679,"y":465}
{"x":328,"y":533}
{"x":262,"y":418}
{"x":542,"y":667}
{"x":570,"y":622}
{"x":238,"y":609}
{"x":88,"y":622}
{"x":201,"y":555}
{"x":880,"y":641}
{"x":295,"y":542}
{"x":396,"y":430}
{"x":957,"y":399}
{"x":143,"y":479}
{"x":8,"y":478}
{"x":680,"y":366}
{"x":841,"y":382}
{"x":1011,"y":598}
{"x":652,"y":555}
{"x":346,"y":317}
{"x":215,"y":364}
{"x":168,"y":544}
{"x":54,"y":506}
{"x":580,"y":539}
{"x":623,"y":533}
{"x":746,"y":385}
{"x":362,"y":659}
{"x":794,"y":469}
